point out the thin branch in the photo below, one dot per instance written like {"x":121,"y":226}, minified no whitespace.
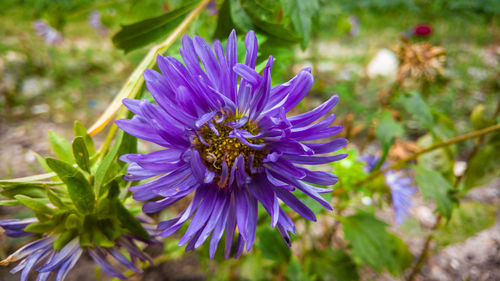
{"x":398,"y":164}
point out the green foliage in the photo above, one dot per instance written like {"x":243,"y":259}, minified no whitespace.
{"x":331,"y":264}
{"x":419,"y":110}
{"x":79,"y":189}
{"x":469,"y":219}
{"x":374,"y":245}
{"x":129,"y":221}
{"x":107,"y":168}
{"x":386,"y":131}
{"x":302,"y":14}
{"x":80,"y":131}
{"x":81,"y":154}
{"x":272,"y":245}
{"x":61,"y":147}
{"x":141,"y":33}
{"x":434,"y":186}
{"x":485,"y":165}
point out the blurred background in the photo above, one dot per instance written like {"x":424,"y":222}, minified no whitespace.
{"x":58,"y":64}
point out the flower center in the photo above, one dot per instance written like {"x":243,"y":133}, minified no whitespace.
{"x":223,"y":147}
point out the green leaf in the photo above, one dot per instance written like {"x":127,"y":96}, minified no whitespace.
{"x":81,"y":154}
{"x":332,"y":264}
{"x":483,"y":167}
{"x":21,"y":189}
{"x":54,"y":199}
{"x":239,"y":17}
{"x":61,"y":147}
{"x":265,"y":15}
{"x":41,"y":227}
{"x":9,"y":203}
{"x":386,"y":131}
{"x":419,"y":110}
{"x":128,"y":145}
{"x":129,"y":222}
{"x":301,"y":13}
{"x":141,"y":33}
{"x":294,"y":272}
{"x":273,"y":246}
{"x":435,"y":187}
{"x":64,"y":239}
{"x":466,"y":221}
{"x":79,"y":189}
{"x":104,"y":171}
{"x":224,"y":22}
{"x":80,"y":131}
{"x":73,"y":222}
{"x":372,"y":243}
{"x":37,"y":205}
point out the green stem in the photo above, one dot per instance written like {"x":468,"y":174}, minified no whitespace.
{"x":414,"y":156}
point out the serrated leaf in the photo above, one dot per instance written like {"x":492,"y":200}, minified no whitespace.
{"x":372,"y":243}
{"x":81,"y":154}
{"x":332,"y":264}
{"x":141,"y":33}
{"x":79,"y":189}
{"x":129,"y":222}
{"x":435,"y":187}
{"x":37,"y":205}
{"x":419,"y":110}
{"x":61,"y":147}
{"x":301,"y":14}
{"x":273,"y":246}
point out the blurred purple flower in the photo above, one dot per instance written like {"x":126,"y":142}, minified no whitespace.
{"x":232,"y":146}
{"x":401,"y":190}
{"x":95,"y":22}
{"x":42,"y":252}
{"x":422,"y":30}
{"x":49,"y":34}
{"x":354,"y":21}
{"x":212,"y":8}
{"x":400,"y":186}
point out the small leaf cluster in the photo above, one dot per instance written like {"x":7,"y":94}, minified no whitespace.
{"x":83,"y":199}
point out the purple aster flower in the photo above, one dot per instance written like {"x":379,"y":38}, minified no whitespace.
{"x":400,"y":186}
{"x":49,"y":34}
{"x":41,"y":253}
{"x":401,"y":190}
{"x":212,"y":8}
{"x":231,"y":144}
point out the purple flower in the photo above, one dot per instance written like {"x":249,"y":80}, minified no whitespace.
{"x":49,"y":34}
{"x":41,"y":253}
{"x":398,"y":183}
{"x":95,"y":22}
{"x":401,"y":190}
{"x":230,"y":144}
